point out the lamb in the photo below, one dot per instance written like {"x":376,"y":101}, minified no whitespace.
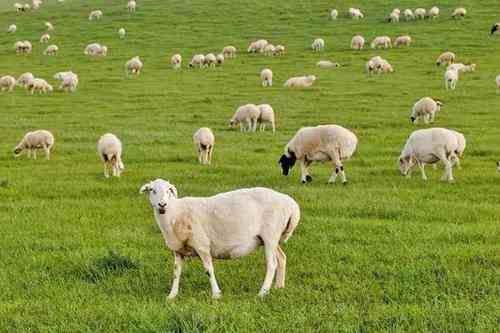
{"x":408,"y":14}
{"x":257,"y":46}
{"x":333,"y":14}
{"x":7,"y":83}
{"x":134,"y":66}
{"x":426,"y":109}
{"x":266,"y":76}
{"x":24,"y":79}
{"x":325,"y":64}
{"x":300,"y":81}
{"x":266,"y":117}
{"x":95,"y":15}
{"x":176,"y":61}
{"x":227,"y":225}
{"x":402,"y":41}
{"x":131,"y":5}
{"x":12,"y":29}
{"x":96,"y":49}
{"x":377,"y":64}
{"x":49,"y":26}
{"x":45,"y":38}
{"x":204,"y":141}
{"x":229,"y":51}
{"x":69,"y":81}
{"x":247,"y":117}
{"x":210,"y":60}
{"x":429,"y":146}
{"x":495,"y":28}
{"x":109,"y":148}
{"x":321,"y":143}
{"x":122,"y":33}
{"x":23,"y":47}
{"x":198,"y":60}
{"x":355,"y":13}
{"x":357,"y":42}
{"x":450,"y":79}
{"x":279,"y":50}
{"x":433,"y":12}
{"x":39,"y":85}
{"x":446,"y":58}
{"x":381,"y":42}
{"x":40,"y":139}
{"x":386,"y":67}
{"x":420,"y":13}
{"x":318,"y":45}
{"x":459,"y":12}
{"x":269,"y":50}
{"x":497,"y":81}
{"x":51,"y":50}
{"x":220,"y":59}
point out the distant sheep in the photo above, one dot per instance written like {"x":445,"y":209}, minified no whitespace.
{"x":220,"y":59}
{"x":204,"y":141}
{"x":300,"y":81}
{"x":210,"y":60}
{"x":257,"y":46}
{"x":69,"y":81}
{"x":12,"y":29}
{"x":269,"y":50}
{"x":279,"y":50}
{"x":318,"y":45}
{"x":109,"y":148}
{"x":326,"y":64}
{"x":266,"y":117}
{"x":32,"y":141}
{"x":333,"y":14}
{"x":39,"y":85}
{"x":131,"y":5}
{"x":24,"y":79}
{"x":381,"y":42}
{"x":96,"y":49}
{"x":176,"y":61}
{"x":402,"y":41}
{"x":426,"y":109}
{"x":229,"y":51}
{"x":247,"y":117}
{"x":122,"y":33}
{"x":49,"y":26}
{"x":266,"y":76}
{"x":495,"y":28}
{"x":23,"y":47}
{"x":198,"y":60}
{"x":51,"y":50}
{"x":355,"y":13}
{"x":134,"y":66}
{"x":45,"y":38}
{"x":357,"y":42}
{"x":408,"y":14}
{"x":95,"y":15}
{"x":420,"y":13}
{"x":459,"y":12}
{"x":7,"y":83}
{"x":433,"y":12}
{"x":446,"y":58}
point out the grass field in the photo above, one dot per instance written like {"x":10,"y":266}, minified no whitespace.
{"x":79,"y":253}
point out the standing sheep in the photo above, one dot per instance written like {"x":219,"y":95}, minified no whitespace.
{"x":39,"y":85}
{"x":451,"y":79}
{"x":220,"y":59}
{"x":95,"y":15}
{"x":204,"y":140}
{"x":109,"y":148}
{"x":420,"y":13}
{"x":279,"y":50}
{"x":32,"y":141}
{"x":446,"y":58}
{"x":300,"y":81}
{"x":408,"y":14}
{"x":426,"y":109}
{"x":131,"y":5}
{"x":24,"y":79}
{"x":96,"y":49}
{"x":381,"y":42}
{"x":257,"y":46}
{"x":355,"y":13}
{"x":269,"y":50}
{"x":122,"y":33}
{"x":210,"y":60}
{"x":433,"y":12}
{"x":134,"y":66}
{"x":318,"y":45}
{"x":459,"y":12}
{"x":198,"y":60}
{"x":247,"y":117}
{"x":266,"y":117}
{"x":7,"y":83}
{"x":333,"y":14}
{"x":229,"y":51}
{"x":402,"y":41}
{"x":12,"y":28}
{"x":266,"y":76}
{"x":51,"y":50}
{"x":357,"y":42}
{"x":176,"y":61}
{"x":69,"y":81}
{"x":45,"y":38}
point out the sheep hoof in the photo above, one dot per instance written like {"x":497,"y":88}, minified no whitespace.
{"x":303,"y":181}
{"x":216,"y":295}
{"x":171,"y":297}
{"x":344,"y":183}
{"x":309,"y":179}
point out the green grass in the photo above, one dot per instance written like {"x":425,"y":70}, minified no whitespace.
{"x":79,"y":253}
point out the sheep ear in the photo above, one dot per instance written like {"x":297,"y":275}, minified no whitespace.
{"x":145,"y":188}
{"x":173,"y":191}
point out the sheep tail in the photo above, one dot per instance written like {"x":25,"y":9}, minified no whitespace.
{"x":293,"y":221}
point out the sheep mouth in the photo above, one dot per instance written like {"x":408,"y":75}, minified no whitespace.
{"x":162,"y":211}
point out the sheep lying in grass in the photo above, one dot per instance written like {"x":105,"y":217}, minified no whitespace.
{"x":321,"y":143}
{"x":45,"y":38}
{"x":131,"y":5}
{"x":459,"y":12}
{"x":122,"y":33}
{"x":357,"y":42}
{"x":198,"y":60}
{"x":300,"y":81}
{"x":266,"y":76}
{"x":247,"y":117}
{"x":402,"y":41}
{"x":495,"y":28}
{"x":204,"y":140}
{"x":24,"y":79}
{"x":7,"y":83}
{"x":425,"y":108}
{"x":12,"y":29}
{"x":228,"y":225}
{"x":69,"y":81}
{"x":429,"y":146}
{"x":257,"y":46}
{"x":446,"y":58}
{"x":176,"y":61}
{"x":381,"y":42}
{"x":451,"y":79}
{"x":96,"y":49}
{"x":32,"y":141}
{"x":51,"y":50}
{"x":95,"y":15}
{"x":318,"y":45}
{"x":39,"y":85}
{"x":229,"y":51}
{"x":326,"y":64}
{"x":266,"y":116}
{"x":134,"y":66}
{"x":109,"y":148}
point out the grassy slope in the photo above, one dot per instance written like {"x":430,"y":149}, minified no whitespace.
{"x":384,"y":253}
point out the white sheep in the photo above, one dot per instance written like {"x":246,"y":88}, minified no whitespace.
{"x":433,"y":12}
{"x":69,"y":81}
{"x":12,"y":29}
{"x":96,"y":49}
{"x":198,"y":60}
{"x":459,"y":12}
{"x":228,"y":225}
{"x":408,"y":14}
{"x":18,"y":7}
{"x":266,"y":76}
{"x":269,"y":50}
{"x":134,"y":66}
{"x":420,"y":13}
{"x":7,"y":83}
{"x":229,"y":51}
{"x":318,"y":44}
{"x":357,"y":42}
{"x":402,"y":41}
{"x":257,"y":46}
{"x":374,"y":64}
{"x":300,"y":81}
{"x":321,"y":143}
{"x":326,"y":64}
{"x":446,"y":58}
{"x":95,"y":15}
{"x":176,"y":61}
{"x":210,"y":60}
{"x":24,"y":79}
{"x":497,"y":81}
{"x":131,"y":5}
{"x":51,"y":50}
{"x":220,"y":59}
{"x":49,"y":26}
{"x":394,"y":16}
{"x":381,"y":42}
{"x":247,"y":117}
{"x":425,"y":108}
{"x":122,"y":33}
{"x":333,"y":14}
{"x":429,"y":146}
{"x":266,"y":117}
{"x":279,"y":50}
{"x":40,"y":139}
{"x":462,"y":68}
{"x":23,"y":47}
{"x":386,"y":67}
{"x":45,"y":38}
{"x":355,"y":13}
{"x":39,"y":85}
{"x":451,"y":79}
{"x":109,"y":148}
{"x":204,"y":141}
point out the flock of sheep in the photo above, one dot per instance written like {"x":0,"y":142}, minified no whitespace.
{"x":233,"y":224}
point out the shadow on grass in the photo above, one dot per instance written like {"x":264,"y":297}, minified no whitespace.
{"x":111,"y":264}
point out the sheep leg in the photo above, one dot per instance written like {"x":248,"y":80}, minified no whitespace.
{"x":271,"y":264}
{"x":106,"y":174}
{"x":281,"y":270}
{"x":34,"y":153}
{"x":422,"y":169}
{"x":47,"y":152}
{"x":274,"y":127}
{"x":209,"y":268}
{"x":254,"y":125}
{"x":178,"y":261}
{"x":448,"y":175}
{"x":210,"y":150}
{"x":200,"y":155}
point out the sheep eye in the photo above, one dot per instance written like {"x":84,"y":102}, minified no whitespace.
{"x":153,"y":191}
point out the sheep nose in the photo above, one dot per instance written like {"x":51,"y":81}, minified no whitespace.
{"x":162,"y":205}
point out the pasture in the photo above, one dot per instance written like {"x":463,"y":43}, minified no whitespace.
{"x":80,"y":253}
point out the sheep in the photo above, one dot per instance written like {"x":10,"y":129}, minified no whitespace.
{"x":429,"y":146}
{"x":69,"y":81}
{"x":229,"y":51}
{"x":204,"y":141}
{"x":227,"y":225}
{"x":450,"y":79}
{"x":446,"y":58}
{"x":134,"y":66}
{"x":318,"y":45}
{"x":95,"y":15}
{"x":269,"y":50}
{"x":109,"y":148}
{"x":459,"y":12}
{"x":266,"y":76}
{"x":27,"y":7}
{"x":7,"y":83}
{"x":266,"y":116}
{"x":96,"y":49}
{"x":23,"y":47}
{"x":300,"y":81}
{"x":433,"y":12}
{"x":402,"y":41}
{"x":131,"y":5}
{"x":210,"y":60}
{"x":198,"y":60}
{"x":325,"y":64}
{"x":176,"y":61}
{"x":321,"y":143}
{"x":247,"y":117}
{"x":24,"y":79}
{"x":355,"y":13}
{"x":220,"y":59}
{"x":394,"y":16}
{"x":420,"y":13}
{"x":51,"y":50}
{"x":426,"y":109}
{"x":45,"y":38}
{"x":49,"y":26}
{"x":19,"y":8}
{"x":39,"y":85}
{"x":469,"y":68}
{"x":386,"y":67}
{"x":497,"y":81}
{"x":374,"y":64}
{"x":460,"y":148}
{"x":122,"y":33}
{"x":279,"y":50}
{"x":333,"y":14}
{"x":408,"y":14}
{"x":40,"y":139}
{"x":257,"y":46}
{"x":495,"y":28}
{"x":36,"y":4}
{"x":381,"y":42}
{"x":12,"y":29}
{"x":357,"y":42}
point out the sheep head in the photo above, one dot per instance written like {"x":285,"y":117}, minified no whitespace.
{"x":161,"y":192}
{"x":287,"y":162}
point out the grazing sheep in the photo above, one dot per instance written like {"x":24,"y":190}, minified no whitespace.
{"x":69,"y":81}
{"x":333,"y":14}
{"x":228,"y":225}
{"x":96,"y":49}
{"x":24,"y":79}
{"x":357,"y":42}
{"x":7,"y":83}
{"x":210,"y":60}
{"x":27,"y":7}
{"x":12,"y":29}
{"x":220,"y":59}
{"x":266,"y":76}
{"x":204,"y":141}
{"x":355,"y":13}
{"x":45,"y":38}
{"x":402,"y":41}
{"x":40,"y":139}
{"x":49,"y":26}
{"x":429,"y":146}
{"x":420,"y":13}
{"x":450,"y":79}
{"x":459,"y":12}
{"x":131,"y":5}
{"x":374,"y":65}
{"x":495,"y":28}
{"x":386,"y":67}
{"x":122,"y":33}
{"x":269,"y":50}
{"x":381,"y":42}
{"x":247,"y":117}
{"x":229,"y":51}
{"x":326,"y":64}
{"x":176,"y":61}
{"x":23,"y":47}
{"x":134,"y":66}
{"x":394,"y":16}
{"x":36,"y":4}
{"x":257,"y":46}
{"x":433,"y":12}
{"x":266,"y":117}
{"x":109,"y":148}
{"x":318,"y":45}
{"x":39,"y":85}
{"x":51,"y":50}
{"x":95,"y":15}
{"x":19,"y":8}
{"x":497,"y":81}
{"x":425,"y":108}
{"x":408,"y":14}
{"x":446,"y":58}
{"x":300,"y":81}
{"x":279,"y":50}
{"x":198,"y":60}
{"x":321,"y":143}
